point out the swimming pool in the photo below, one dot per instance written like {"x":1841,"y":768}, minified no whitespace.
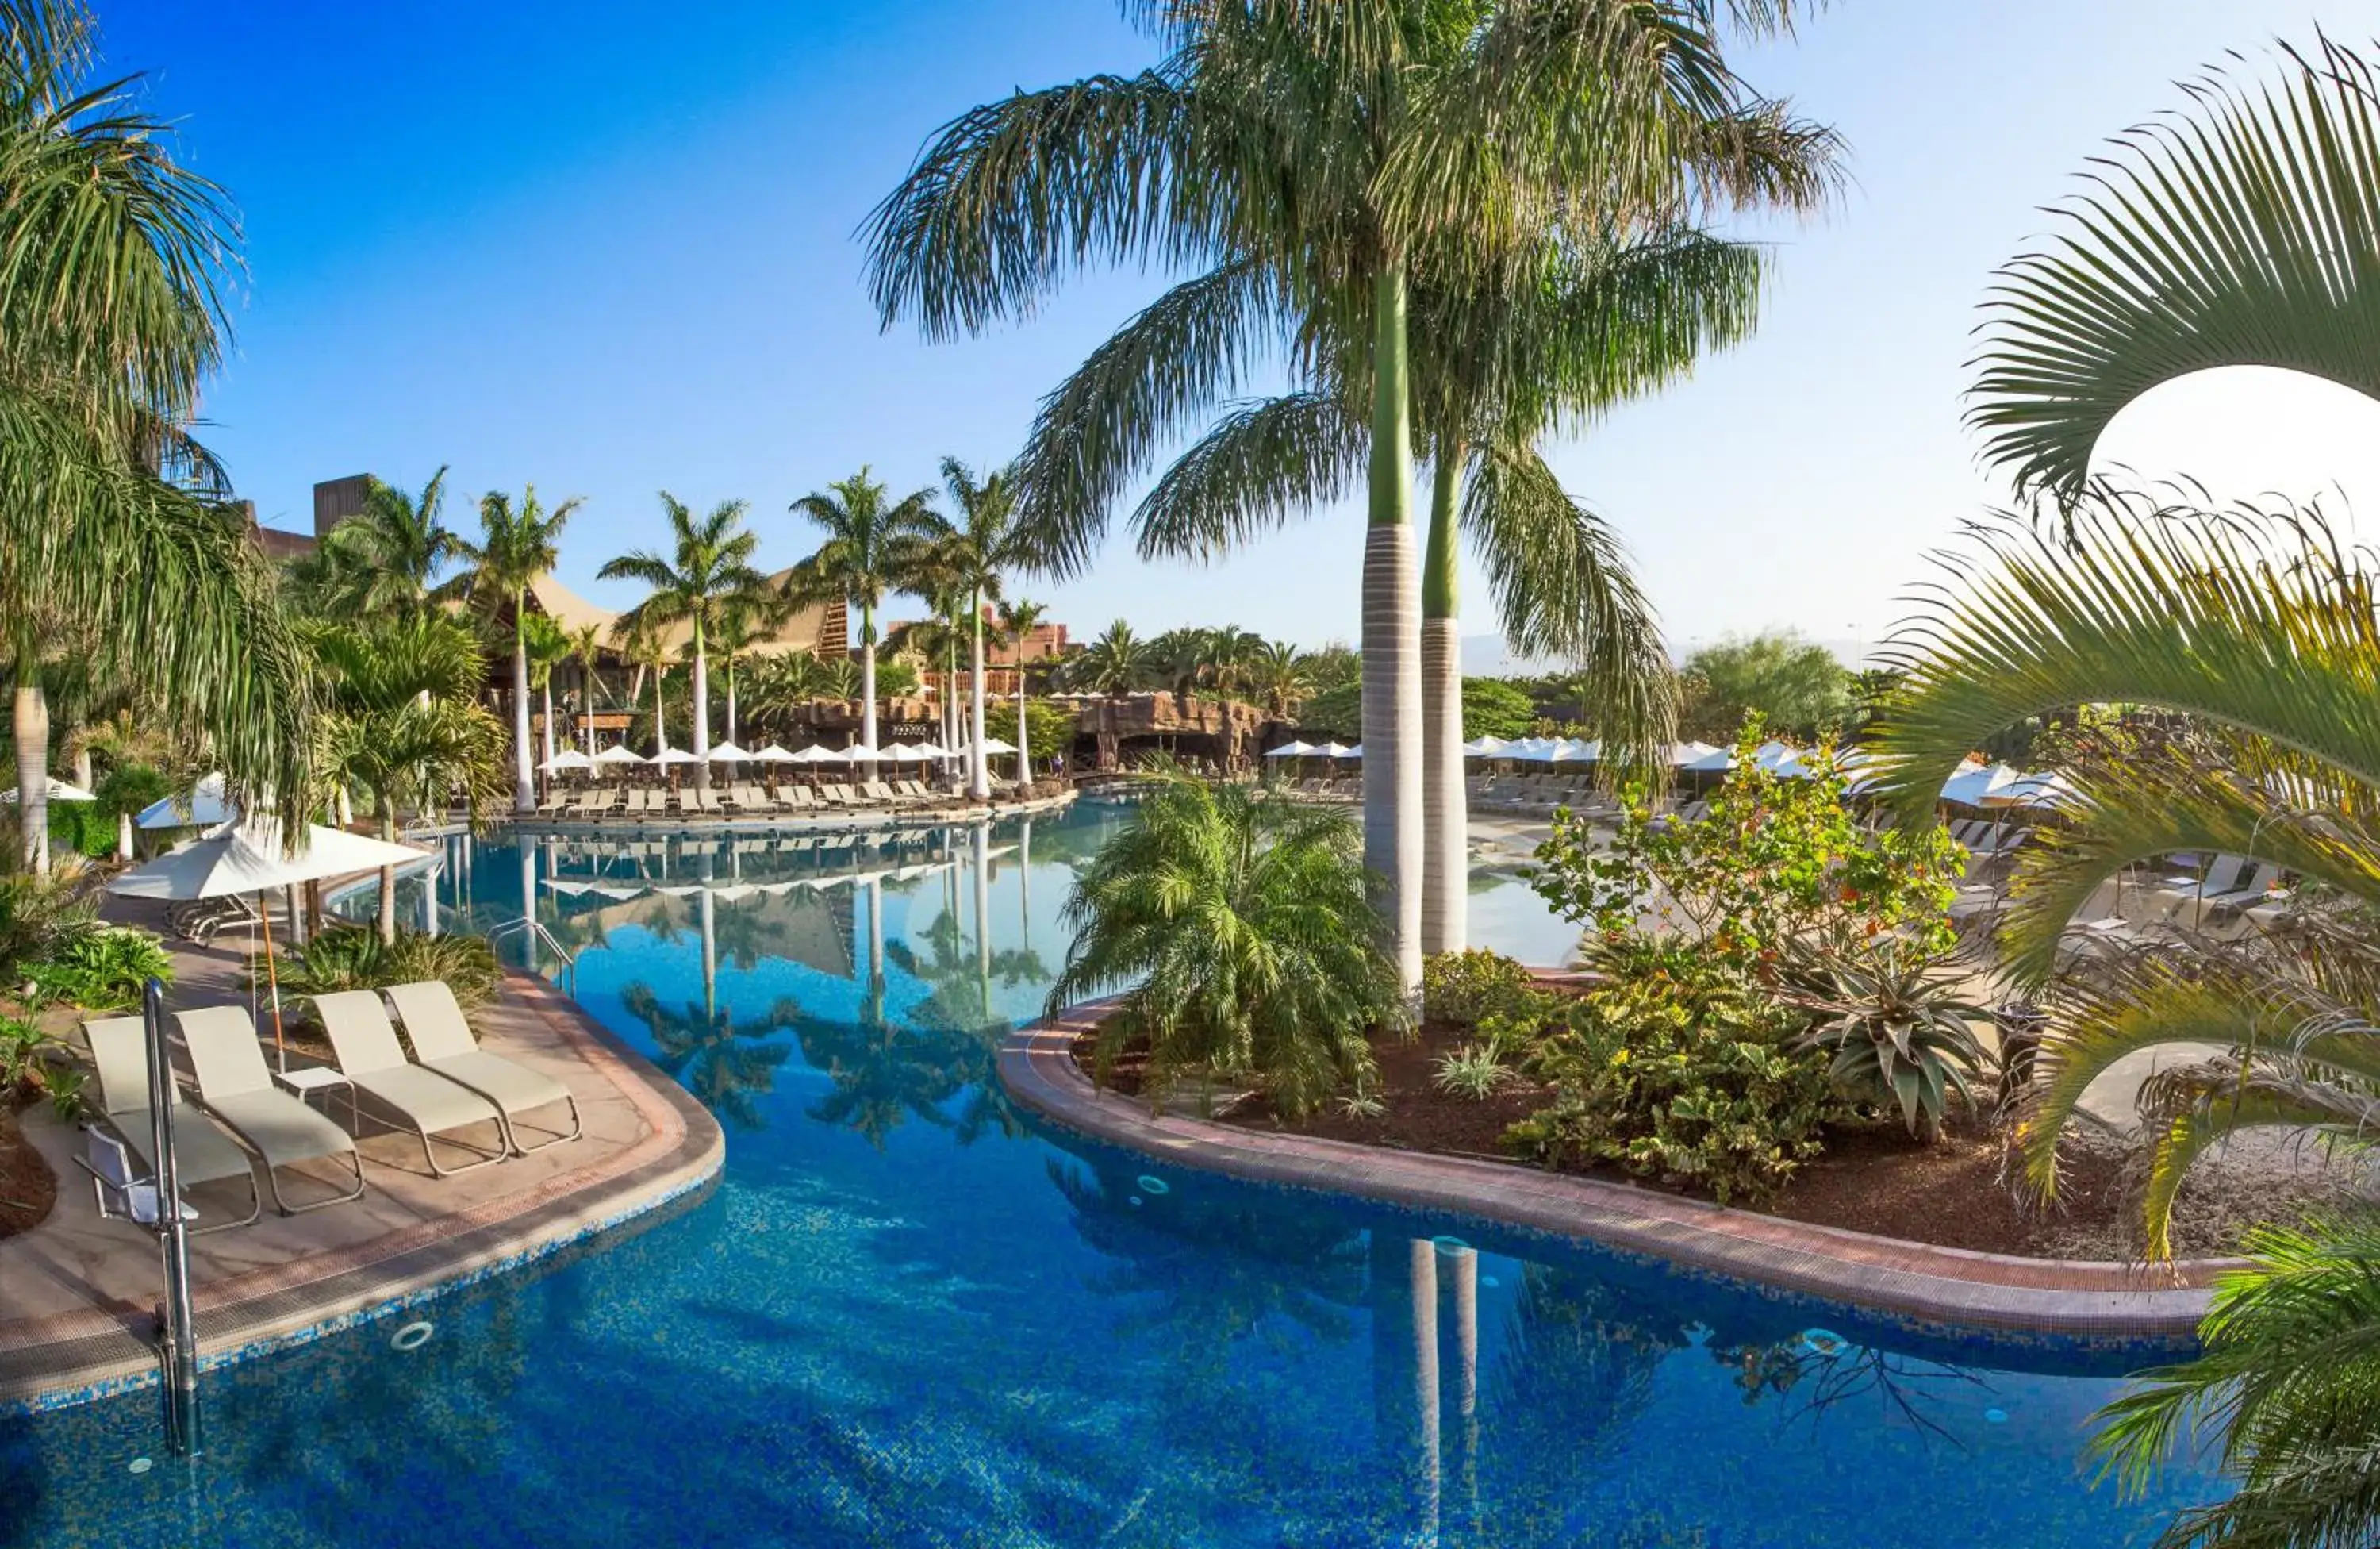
{"x":904,"y":1318}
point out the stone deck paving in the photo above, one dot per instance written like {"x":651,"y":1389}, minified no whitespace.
{"x":1943,"y":1289}
{"x":77,"y":1293}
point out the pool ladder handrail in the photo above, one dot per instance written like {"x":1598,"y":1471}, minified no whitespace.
{"x":178,"y":1338}
{"x":535,"y":929}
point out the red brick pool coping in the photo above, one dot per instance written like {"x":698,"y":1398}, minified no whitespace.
{"x":69,"y":1358}
{"x":1951,"y":1289}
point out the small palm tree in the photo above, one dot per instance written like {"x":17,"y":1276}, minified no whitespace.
{"x":708,"y":577}
{"x":550,"y":646}
{"x":971,"y":555}
{"x":750,"y":618}
{"x":386,"y":559}
{"x":1242,"y":926}
{"x":872,"y":549}
{"x":1284,"y":674}
{"x":1116,"y":663}
{"x":1017,"y":622}
{"x":586,"y":653}
{"x":516,"y":549}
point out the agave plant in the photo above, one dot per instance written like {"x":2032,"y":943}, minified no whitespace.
{"x":1899,"y":1032}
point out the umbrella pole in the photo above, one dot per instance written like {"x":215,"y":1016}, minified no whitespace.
{"x":273,"y":978}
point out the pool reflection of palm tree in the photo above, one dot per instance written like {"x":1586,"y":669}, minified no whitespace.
{"x":725,"y":1063}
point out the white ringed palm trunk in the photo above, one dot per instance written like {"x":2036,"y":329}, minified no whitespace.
{"x":979,"y":764}
{"x":524,"y":783}
{"x":545,"y":702}
{"x":867,"y":686}
{"x":1446,"y":862}
{"x":1393,"y":740}
{"x":1024,"y":743}
{"x":701,"y":717}
{"x":31,"y":726}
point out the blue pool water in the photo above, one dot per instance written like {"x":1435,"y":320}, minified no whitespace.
{"x":906,"y":1318}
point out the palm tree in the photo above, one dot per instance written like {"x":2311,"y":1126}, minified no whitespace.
{"x":384,"y":559}
{"x":1241,"y":925}
{"x":638,"y":638}
{"x":1313,"y":161}
{"x":585,"y":652}
{"x":405,"y":724}
{"x":1282,"y":674}
{"x":748,"y":620}
{"x":971,"y":555}
{"x":708,"y":578}
{"x":1114,"y":664}
{"x":110,"y":320}
{"x":1017,"y":622}
{"x":548,"y":646}
{"x":870,"y":549}
{"x":516,"y":548}
{"x":726,"y":1064}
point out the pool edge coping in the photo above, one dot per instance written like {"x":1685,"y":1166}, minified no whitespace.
{"x":675,"y":1167}
{"x":1954,"y":1292}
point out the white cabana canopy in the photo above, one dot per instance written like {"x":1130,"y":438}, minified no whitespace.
{"x":1291,"y":751}
{"x":205,"y":806}
{"x":1485,"y":748}
{"x":727,"y":752}
{"x":249,"y":858}
{"x":1687,"y":755}
{"x":620,"y":753}
{"x":1339,"y":751}
{"x":59,"y":790}
{"x":569,"y":758}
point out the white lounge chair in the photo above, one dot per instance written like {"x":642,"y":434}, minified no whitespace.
{"x":237,"y":1088}
{"x":202,"y":1152}
{"x":442,"y":1042}
{"x":429,"y":1105}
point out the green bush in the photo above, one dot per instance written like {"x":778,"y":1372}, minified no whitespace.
{"x":354,"y":957}
{"x":1896,"y":1029}
{"x":1686,"y":1071}
{"x":102,"y":969}
{"x":39,"y":919}
{"x":1462,"y":987}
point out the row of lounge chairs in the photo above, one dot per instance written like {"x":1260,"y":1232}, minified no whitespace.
{"x":244,"y":1123}
{"x":747,"y":798}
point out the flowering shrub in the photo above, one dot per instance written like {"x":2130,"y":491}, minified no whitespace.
{"x":1464,"y":986}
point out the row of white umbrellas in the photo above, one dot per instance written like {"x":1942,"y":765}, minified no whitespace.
{"x":728,"y":752}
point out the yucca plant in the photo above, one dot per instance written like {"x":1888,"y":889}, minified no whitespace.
{"x":1243,"y":928}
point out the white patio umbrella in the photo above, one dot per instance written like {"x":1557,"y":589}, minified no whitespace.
{"x":620,"y":753}
{"x":1486,"y":747}
{"x":2043,"y":789}
{"x":674,"y":755}
{"x":1571,"y":749}
{"x":818,"y":753}
{"x":1684,"y":753}
{"x":1338,"y":751}
{"x":569,"y":758}
{"x":59,"y":790}
{"x":727,"y":752}
{"x":774,"y":754}
{"x":994,"y":748}
{"x":205,"y":805}
{"x":1711,"y":762}
{"x":1973,"y":783}
{"x":1290,"y":750}
{"x":250,"y":857}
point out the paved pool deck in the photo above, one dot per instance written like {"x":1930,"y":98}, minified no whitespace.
{"x":1939,"y":1290}
{"x":78,"y":1293}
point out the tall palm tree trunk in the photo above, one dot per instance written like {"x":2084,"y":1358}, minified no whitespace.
{"x":867,"y":678}
{"x":1445,"y":901}
{"x":545,"y":702}
{"x":386,"y":801}
{"x":661,"y":721}
{"x":586,"y":703}
{"x":1392,"y":718}
{"x":980,"y":768}
{"x":1024,"y":742}
{"x":524,"y":783}
{"x":31,"y":724}
{"x":701,"y":712}
{"x":732,"y":728}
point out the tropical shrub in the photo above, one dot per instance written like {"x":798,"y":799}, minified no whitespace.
{"x":39,"y":917}
{"x":354,"y":957}
{"x":25,"y":1067}
{"x":1244,"y":926}
{"x":1052,"y":727}
{"x":1683,"y":1069}
{"x":1475,"y":1070}
{"x":103,"y":969}
{"x":1897,"y":1032}
{"x":1777,"y":862}
{"x":1493,"y":707}
{"x":1790,"y":683}
{"x":1462,"y":987}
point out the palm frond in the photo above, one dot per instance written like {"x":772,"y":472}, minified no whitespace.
{"x":1261,"y":465}
{"x":2241,"y":230}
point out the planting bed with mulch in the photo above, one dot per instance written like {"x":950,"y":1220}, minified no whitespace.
{"x":1871,"y":1179}
{"x":27,"y":1188}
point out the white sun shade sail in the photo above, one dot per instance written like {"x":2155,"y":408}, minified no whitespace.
{"x":1486,"y":747}
{"x":204,"y":806}
{"x":59,"y":790}
{"x":247,"y":858}
{"x":1974,"y":783}
{"x":2048,"y":789}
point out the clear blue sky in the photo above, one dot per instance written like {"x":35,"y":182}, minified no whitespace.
{"x":608,"y":249}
